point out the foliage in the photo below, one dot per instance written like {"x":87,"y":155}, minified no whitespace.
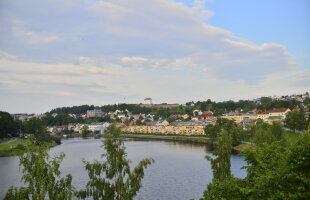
{"x":296,"y":121}
{"x":212,"y":131}
{"x":221,"y":164}
{"x":113,"y":178}
{"x":236,"y":132}
{"x":41,"y":177}
{"x":8,"y":126}
{"x":277,"y":169}
{"x":266,"y":133}
{"x":36,"y":127}
{"x":85,"y":131}
{"x":220,"y":168}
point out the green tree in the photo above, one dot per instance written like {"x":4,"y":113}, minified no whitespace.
{"x":41,"y":177}
{"x":296,"y":121}
{"x":221,"y":164}
{"x":212,"y":131}
{"x":8,"y":126}
{"x":85,"y":131}
{"x":113,"y":178}
{"x":223,"y":185}
{"x":276,"y":169}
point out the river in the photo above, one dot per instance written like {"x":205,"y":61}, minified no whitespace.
{"x":179,"y":172}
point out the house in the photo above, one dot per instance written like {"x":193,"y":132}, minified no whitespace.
{"x":207,"y":113}
{"x":197,"y":112}
{"x":278,"y":112}
{"x":239,"y":117}
{"x":158,"y":123}
{"x":94,"y":113}
{"x":120,"y":116}
{"x":184,"y":130}
{"x":271,"y":119}
{"x":98,"y":128}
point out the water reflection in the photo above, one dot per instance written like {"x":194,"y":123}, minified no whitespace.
{"x":179,"y":172}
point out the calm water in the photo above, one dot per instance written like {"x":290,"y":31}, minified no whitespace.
{"x":179,"y":172}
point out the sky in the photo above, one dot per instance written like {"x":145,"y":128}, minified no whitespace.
{"x":56,"y":53}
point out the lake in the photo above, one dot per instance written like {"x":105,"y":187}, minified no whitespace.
{"x":180,"y":170}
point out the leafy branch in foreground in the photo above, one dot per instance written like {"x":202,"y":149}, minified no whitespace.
{"x":41,"y":177}
{"x":113,"y":178}
{"x":276,"y":168}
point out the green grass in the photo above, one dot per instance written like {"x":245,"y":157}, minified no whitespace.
{"x":12,"y":145}
{"x":12,"y":148}
{"x":242,"y":147}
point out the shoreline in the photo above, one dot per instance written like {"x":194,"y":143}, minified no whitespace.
{"x":192,"y":139}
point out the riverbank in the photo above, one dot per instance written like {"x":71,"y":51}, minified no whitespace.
{"x":18,"y":147}
{"x":195,"y":139}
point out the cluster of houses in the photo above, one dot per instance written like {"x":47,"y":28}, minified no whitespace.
{"x":297,"y":97}
{"x":184,"y":123}
{"x":24,"y":116}
{"x":96,"y":128}
{"x":267,"y":116}
{"x":201,"y":119}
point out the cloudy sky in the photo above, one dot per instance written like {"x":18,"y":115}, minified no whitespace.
{"x":61,"y":53}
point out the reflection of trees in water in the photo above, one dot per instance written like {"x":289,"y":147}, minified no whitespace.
{"x":183,"y":144}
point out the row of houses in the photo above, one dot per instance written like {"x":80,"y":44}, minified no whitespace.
{"x":268,"y":116}
{"x":97,"y":128}
{"x":183,"y":130}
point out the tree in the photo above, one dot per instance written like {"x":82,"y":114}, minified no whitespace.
{"x":85,"y":131}
{"x":212,"y":131}
{"x":221,"y":164}
{"x":8,"y":126}
{"x":276,"y":169}
{"x":113,"y":178}
{"x":296,"y":121}
{"x":41,"y":177}
{"x":223,"y":185}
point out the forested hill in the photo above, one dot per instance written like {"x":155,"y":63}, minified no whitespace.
{"x":134,"y":108}
{"x":218,"y":108}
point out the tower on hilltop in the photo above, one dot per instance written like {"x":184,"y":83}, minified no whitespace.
{"x":147,"y":101}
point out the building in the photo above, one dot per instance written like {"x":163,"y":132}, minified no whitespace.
{"x":239,"y":117}
{"x":94,"y":113}
{"x":147,"y":101}
{"x":158,"y":123}
{"x":181,"y":130}
{"x":98,"y":128}
{"x":278,"y":112}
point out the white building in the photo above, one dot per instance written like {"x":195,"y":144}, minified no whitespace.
{"x":98,"y":128}
{"x":94,"y":113}
{"x":147,"y":101}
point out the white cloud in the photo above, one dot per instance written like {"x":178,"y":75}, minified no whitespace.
{"x":35,"y":38}
{"x":136,"y":48}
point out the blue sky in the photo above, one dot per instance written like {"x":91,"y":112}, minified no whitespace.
{"x":61,"y":53}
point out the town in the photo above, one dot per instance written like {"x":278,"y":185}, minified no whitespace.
{"x":188,"y":119}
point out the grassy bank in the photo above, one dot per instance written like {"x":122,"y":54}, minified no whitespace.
{"x":17,"y":147}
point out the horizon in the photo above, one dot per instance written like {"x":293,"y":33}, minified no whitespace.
{"x":98,"y":52}
{"x":156,"y":103}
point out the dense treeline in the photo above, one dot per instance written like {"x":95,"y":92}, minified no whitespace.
{"x":217,"y":107}
{"x":14,"y":128}
{"x":8,"y":126}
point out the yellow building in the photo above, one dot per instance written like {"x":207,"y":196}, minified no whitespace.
{"x":183,"y":130}
{"x":278,"y":112}
{"x":240,"y":117}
